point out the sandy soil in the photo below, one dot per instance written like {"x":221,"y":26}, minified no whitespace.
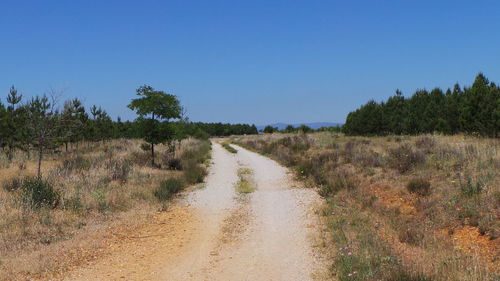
{"x":216,"y":234}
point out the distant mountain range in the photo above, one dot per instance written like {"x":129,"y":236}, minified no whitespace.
{"x":315,"y":125}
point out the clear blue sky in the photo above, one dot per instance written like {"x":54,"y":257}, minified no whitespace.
{"x":246,"y":61}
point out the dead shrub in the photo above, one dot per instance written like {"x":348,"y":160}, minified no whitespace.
{"x":341,"y":180}
{"x":412,"y":235}
{"x":404,"y":158}
{"x":13,"y":184}
{"x":119,"y":169}
{"x":427,"y":144}
{"x":140,"y":158}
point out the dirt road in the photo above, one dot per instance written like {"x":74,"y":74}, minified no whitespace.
{"x":217,"y":234}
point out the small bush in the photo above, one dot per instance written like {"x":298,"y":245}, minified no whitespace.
{"x":119,"y":169}
{"x":167,"y":189}
{"x":427,"y":144}
{"x":77,"y":163}
{"x":405,"y":159}
{"x":412,"y":236}
{"x":140,"y":158}
{"x":304,"y":169}
{"x":13,"y":184}
{"x":419,"y":186}
{"x":38,"y":193}
{"x":145,"y":146}
{"x":470,"y":189}
{"x":338,"y":183}
{"x":174,"y":164}
{"x":194,"y":173}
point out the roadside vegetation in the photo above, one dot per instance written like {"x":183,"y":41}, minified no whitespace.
{"x":65,"y":170}
{"x":228,"y":147}
{"x":399,"y":207}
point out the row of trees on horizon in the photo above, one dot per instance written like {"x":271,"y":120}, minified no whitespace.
{"x":40,"y":124}
{"x":470,"y":110}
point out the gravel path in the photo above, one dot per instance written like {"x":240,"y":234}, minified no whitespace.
{"x":264,"y":235}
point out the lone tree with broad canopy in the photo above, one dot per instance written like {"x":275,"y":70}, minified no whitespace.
{"x":155,"y":109}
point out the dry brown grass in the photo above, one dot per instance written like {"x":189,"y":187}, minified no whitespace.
{"x":96,"y":185}
{"x":392,"y":230}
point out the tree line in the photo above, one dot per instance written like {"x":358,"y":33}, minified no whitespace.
{"x":302,"y":129}
{"x":41,"y":124}
{"x":470,"y":110}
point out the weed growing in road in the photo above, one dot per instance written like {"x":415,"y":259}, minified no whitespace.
{"x":228,"y":147}
{"x":245,"y":184}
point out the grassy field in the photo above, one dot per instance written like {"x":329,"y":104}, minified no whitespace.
{"x":81,"y":190}
{"x":400,"y":208}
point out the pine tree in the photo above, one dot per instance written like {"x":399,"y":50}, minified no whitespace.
{"x":155,"y":109}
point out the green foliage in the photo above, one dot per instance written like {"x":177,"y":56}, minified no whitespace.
{"x":228,"y":147}
{"x":270,"y":129}
{"x":174,"y":164}
{"x":194,"y":172}
{"x":145,"y":146}
{"x":474,"y":110}
{"x":419,"y":186}
{"x":470,"y":189}
{"x":218,"y":129}
{"x":167,"y":189}
{"x":153,"y":107}
{"x":38,"y":193}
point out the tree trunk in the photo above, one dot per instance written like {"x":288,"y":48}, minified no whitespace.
{"x":40,"y":155}
{"x":66,"y":143}
{"x":152,"y":154}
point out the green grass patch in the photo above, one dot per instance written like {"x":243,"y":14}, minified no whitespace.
{"x":245,"y":184}
{"x":228,"y":147}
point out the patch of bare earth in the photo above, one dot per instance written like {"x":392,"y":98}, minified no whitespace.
{"x":125,"y":249}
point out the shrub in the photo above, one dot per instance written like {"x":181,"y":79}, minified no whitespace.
{"x":167,"y":189}
{"x":145,"y":146}
{"x":338,"y":183}
{"x":419,"y":186}
{"x":174,"y":164}
{"x":119,"y":169}
{"x":140,"y":158}
{"x":193,"y":172}
{"x":38,"y":192}
{"x":13,"y":184}
{"x":412,"y":236}
{"x":77,"y":163}
{"x":304,"y":169}
{"x":427,"y":144}
{"x":470,"y":189}
{"x":404,"y":159}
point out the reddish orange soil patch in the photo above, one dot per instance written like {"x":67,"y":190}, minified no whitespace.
{"x":469,"y":240}
{"x":392,"y":200}
{"x":130,"y":249}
